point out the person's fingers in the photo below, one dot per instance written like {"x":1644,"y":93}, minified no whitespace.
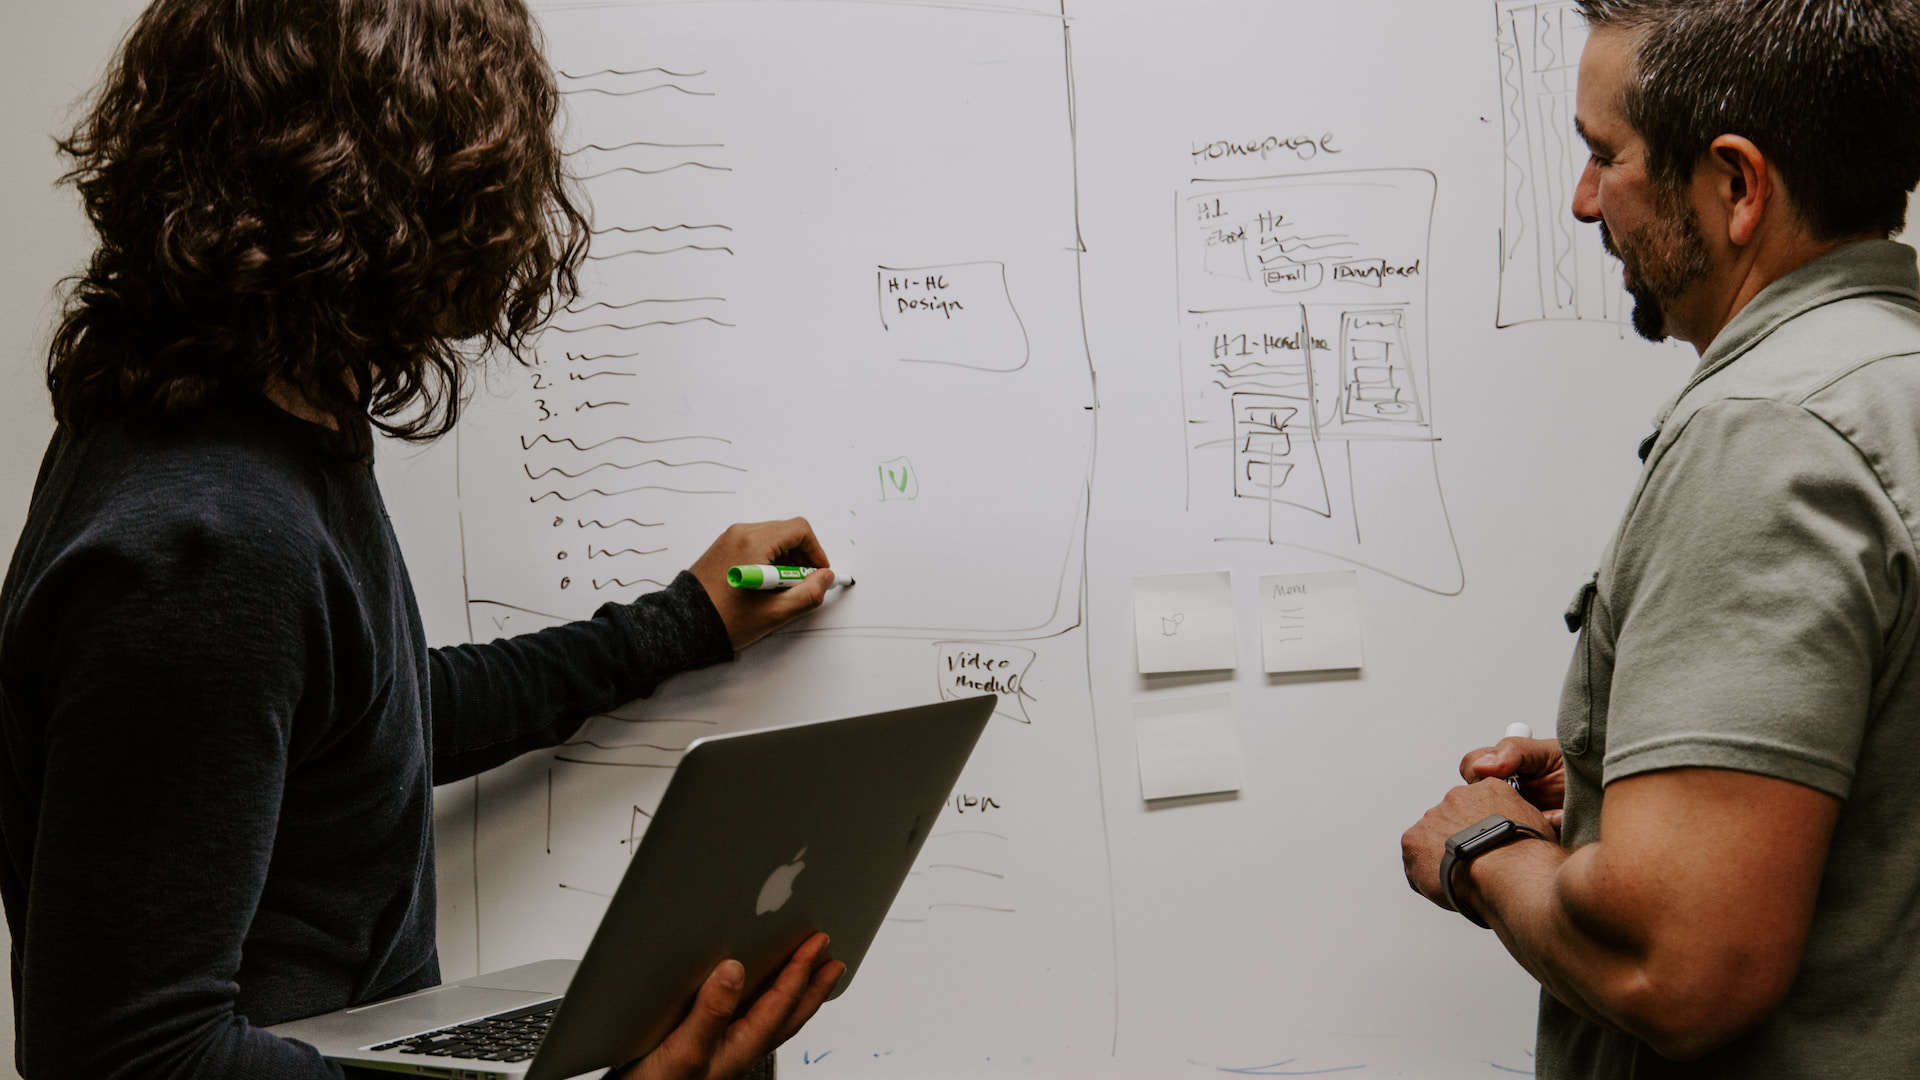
{"x":1511,"y":757}
{"x":688,"y":1050}
{"x":757,"y":1033}
{"x":802,"y":598}
{"x":825,"y":978}
{"x":794,"y":536}
{"x":1473,"y":764}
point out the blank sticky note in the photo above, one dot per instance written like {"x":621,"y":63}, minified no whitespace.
{"x":1184,"y":622}
{"x":1187,"y":746}
{"x":1310,"y":622}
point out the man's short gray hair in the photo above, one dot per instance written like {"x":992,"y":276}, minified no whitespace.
{"x":1829,"y":90}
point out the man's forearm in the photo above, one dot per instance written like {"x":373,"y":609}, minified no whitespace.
{"x":1591,"y":968}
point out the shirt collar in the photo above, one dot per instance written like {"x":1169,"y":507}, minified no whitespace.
{"x":1862,"y":269}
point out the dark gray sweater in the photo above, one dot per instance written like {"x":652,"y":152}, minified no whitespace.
{"x":220,"y":728}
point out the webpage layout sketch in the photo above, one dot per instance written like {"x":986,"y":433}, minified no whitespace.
{"x":1303,"y":364}
{"x":796,"y":302}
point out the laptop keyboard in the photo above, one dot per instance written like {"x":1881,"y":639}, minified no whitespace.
{"x":508,"y":1036}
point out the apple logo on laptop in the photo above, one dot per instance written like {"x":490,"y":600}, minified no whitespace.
{"x":778,"y":888}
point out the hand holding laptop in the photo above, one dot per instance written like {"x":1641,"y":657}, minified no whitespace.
{"x":713,"y":1044}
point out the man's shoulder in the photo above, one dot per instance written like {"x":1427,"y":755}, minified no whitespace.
{"x":1857,"y":345}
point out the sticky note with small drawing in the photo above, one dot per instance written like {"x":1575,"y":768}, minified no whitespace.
{"x":1184,"y":622}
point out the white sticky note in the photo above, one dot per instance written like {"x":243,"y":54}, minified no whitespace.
{"x":1310,"y":622}
{"x":1187,"y":746}
{"x":1184,"y":622}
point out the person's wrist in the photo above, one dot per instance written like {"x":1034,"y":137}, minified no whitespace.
{"x":1474,"y":882}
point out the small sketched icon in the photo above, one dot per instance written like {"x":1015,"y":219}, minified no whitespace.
{"x":778,"y":888}
{"x":1170,"y":624}
{"x":898,"y":481}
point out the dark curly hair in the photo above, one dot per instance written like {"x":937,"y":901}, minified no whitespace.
{"x":349,"y":199}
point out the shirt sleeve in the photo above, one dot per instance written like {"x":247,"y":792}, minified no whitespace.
{"x":492,"y":703}
{"x":1760,"y":575}
{"x":174,"y":676}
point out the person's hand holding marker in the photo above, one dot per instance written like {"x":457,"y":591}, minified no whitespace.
{"x":1532,"y":766}
{"x":751,"y":614}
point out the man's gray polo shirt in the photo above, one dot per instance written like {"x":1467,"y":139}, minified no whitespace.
{"x":1756,"y":611}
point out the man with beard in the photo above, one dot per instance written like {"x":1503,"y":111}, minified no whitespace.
{"x":1717,"y":861}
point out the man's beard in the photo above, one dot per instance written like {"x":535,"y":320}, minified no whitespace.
{"x":1662,"y":261}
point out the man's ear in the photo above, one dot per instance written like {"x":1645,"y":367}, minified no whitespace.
{"x":1743,"y":186}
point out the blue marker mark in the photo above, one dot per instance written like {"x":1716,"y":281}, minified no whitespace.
{"x":1510,"y":1069}
{"x":807,"y":1058}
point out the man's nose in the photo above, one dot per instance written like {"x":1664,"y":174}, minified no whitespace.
{"x":1586,"y":194}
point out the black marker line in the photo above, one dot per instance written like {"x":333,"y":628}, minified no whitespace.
{"x":657,"y":172}
{"x":531,"y":475}
{"x":597,"y":524}
{"x":636,"y":303}
{"x":636,"y":93}
{"x":669,"y":251}
{"x":639,"y":326}
{"x":636,"y":71}
{"x":623,"y":491}
{"x":642,"y":142}
{"x":611,"y":582}
{"x":528,"y":444}
{"x":634,"y":230}
{"x":967,"y":869}
{"x":611,"y":764}
{"x":626,"y":746}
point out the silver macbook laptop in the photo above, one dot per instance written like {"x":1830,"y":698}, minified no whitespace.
{"x":762,"y":838}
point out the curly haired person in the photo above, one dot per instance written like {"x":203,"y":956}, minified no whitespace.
{"x":220,"y":723}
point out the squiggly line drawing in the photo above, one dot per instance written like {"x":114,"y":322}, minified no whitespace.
{"x":669,"y":251}
{"x":625,"y":584}
{"x":657,"y":172}
{"x":636,"y":71}
{"x":531,"y":475}
{"x":639,"y":326}
{"x":528,"y":444}
{"x":544,"y":496}
{"x":642,"y":142}
{"x":653,"y":300}
{"x":633,"y":229}
{"x":596,"y":523}
{"x":637,"y":93}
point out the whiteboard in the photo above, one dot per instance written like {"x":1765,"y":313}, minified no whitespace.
{"x":1019,"y":301}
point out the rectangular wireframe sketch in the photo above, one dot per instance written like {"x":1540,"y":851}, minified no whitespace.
{"x":1304,"y":371}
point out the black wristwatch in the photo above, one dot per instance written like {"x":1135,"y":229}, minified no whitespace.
{"x":1472,"y":842}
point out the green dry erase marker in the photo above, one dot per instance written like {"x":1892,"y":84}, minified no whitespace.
{"x":777,"y":577}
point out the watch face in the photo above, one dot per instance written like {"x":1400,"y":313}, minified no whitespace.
{"x":1487,"y":838}
{"x":1480,"y":835}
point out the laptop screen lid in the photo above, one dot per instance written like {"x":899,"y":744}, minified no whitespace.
{"x":762,"y":838}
